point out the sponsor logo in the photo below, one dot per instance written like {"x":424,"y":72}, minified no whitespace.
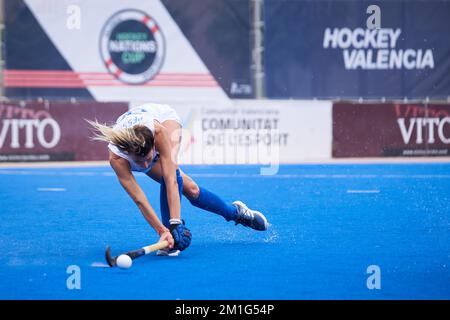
{"x":22,"y":127}
{"x":428,"y":126}
{"x":132,"y":46}
{"x":30,"y":128}
{"x":375,"y":49}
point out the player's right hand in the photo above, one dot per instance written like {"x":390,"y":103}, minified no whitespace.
{"x":167,"y":236}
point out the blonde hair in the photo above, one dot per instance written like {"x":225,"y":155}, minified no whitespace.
{"x":137,"y":140}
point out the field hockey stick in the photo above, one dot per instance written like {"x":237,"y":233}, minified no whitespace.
{"x":135,"y":253}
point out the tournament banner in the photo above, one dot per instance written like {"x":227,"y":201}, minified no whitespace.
{"x":352,"y":48}
{"x":54,"y":131}
{"x":125,"y":50}
{"x":389,"y":130}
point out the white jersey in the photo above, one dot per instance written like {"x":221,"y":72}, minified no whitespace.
{"x":145,"y":114}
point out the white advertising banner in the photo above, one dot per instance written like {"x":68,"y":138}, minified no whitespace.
{"x":255,"y":132}
{"x":120,"y":50}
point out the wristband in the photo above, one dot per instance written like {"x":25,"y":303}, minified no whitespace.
{"x":175,"y":221}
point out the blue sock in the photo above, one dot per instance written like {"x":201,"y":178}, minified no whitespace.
{"x":164,"y":205}
{"x":210,"y":202}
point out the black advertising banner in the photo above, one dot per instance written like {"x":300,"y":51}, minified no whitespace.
{"x":350,"y":49}
{"x":27,"y":46}
{"x":389,"y":130}
{"x":55,"y":131}
{"x":219,"y":30}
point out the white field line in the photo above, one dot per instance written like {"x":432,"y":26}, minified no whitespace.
{"x":331,"y":161}
{"x":55,"y":164}
{"x":99,"y":265}
{"x":16,"y":172}
{"x":363,"y":191}
{"x":51,"y":189}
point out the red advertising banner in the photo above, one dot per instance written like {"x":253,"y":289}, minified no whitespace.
{"x":53,"y":131}
{"x":387,"y":130}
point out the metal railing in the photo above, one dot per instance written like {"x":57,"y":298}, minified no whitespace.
{"x":257,"y":47}
{"x":2,"y":48}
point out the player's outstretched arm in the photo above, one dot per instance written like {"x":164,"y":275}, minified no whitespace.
{"x":180,"y":233}
{"x":122,"y":169}
{"x":168,"y":170}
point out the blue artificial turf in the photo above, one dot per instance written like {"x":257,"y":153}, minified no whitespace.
{"x":329,"y":223}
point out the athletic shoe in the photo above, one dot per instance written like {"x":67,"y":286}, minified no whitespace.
{"x":250,"y":218}
{"x":168,"y":252}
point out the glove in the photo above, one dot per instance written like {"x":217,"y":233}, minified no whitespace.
{"x":181,"y":235}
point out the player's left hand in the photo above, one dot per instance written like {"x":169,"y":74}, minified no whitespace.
{"x":180,"y":234}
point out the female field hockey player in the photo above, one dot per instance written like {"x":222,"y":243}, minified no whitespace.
{"x":147,"y":139}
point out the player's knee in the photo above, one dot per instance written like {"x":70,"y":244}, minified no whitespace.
{"x":191,"y":190}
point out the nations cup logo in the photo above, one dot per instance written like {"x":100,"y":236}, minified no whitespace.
{"x":132,"y":46}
